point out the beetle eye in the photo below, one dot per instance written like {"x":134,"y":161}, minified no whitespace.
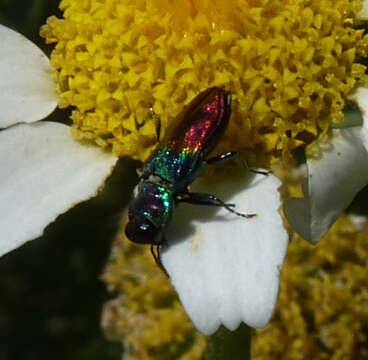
{"x":142,"y":231}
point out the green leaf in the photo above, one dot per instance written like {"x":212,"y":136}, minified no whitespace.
{"x":352,"y":117}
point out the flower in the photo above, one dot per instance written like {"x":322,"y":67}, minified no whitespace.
{"x":290,"y":68}
{"x":47,"y":172}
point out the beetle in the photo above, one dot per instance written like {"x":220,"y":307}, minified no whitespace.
{"x":179,"y":159}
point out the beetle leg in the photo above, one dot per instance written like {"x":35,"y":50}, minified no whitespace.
{"x":156,"y":254}
{"x":245,"y":162}
{"x":222,"y":158}
{"x":231,"y":155}
{"x":211,"y":200}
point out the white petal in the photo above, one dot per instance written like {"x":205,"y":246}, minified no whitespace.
{"x":27,"y":92}
{"x":43,"y":173}
{"x":363,"y":14}
{"x":360,"y":96}
{"x":333,"y":181}
{"x":226,"y":268}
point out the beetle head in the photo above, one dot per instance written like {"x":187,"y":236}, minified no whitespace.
{"x":142,"y":230}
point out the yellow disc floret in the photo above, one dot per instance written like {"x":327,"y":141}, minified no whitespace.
{"x":288,"y":64}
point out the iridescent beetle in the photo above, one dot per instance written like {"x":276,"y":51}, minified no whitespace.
{"x":177,"y":162}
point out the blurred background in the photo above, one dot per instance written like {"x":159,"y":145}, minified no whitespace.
{"x":50,"y":293}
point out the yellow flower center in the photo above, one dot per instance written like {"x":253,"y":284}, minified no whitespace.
{"x":288,"y":64}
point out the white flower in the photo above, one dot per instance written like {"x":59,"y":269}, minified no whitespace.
{"x":333,"y":179}
{"x":226,"y":268}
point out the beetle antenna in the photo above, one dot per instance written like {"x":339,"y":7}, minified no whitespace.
{"x":158,"y":124}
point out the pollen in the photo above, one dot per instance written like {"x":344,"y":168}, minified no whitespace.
{"x":121,"y":64}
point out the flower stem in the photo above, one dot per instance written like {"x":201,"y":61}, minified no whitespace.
{"x":226,"y":344}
